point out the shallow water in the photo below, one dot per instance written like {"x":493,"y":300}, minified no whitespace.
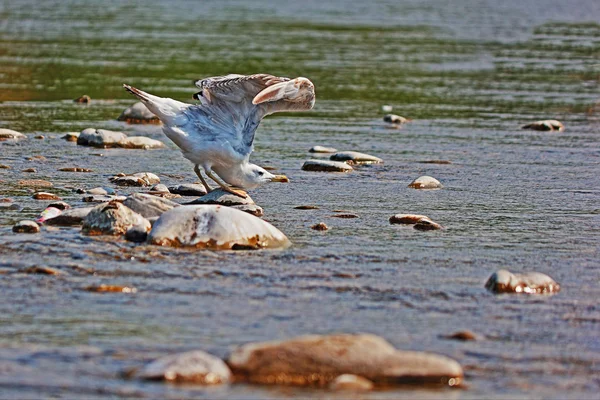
{"x":469,"y":73}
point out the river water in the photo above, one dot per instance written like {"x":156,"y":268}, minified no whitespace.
{"x":469,"y":73}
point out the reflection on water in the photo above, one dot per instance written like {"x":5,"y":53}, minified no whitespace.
{"x":469,"y":73}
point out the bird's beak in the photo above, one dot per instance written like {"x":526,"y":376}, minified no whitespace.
{"x":280,"y":178}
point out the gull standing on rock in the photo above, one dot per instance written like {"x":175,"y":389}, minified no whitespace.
{"x":217,"y":135}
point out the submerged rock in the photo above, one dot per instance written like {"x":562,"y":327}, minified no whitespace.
{"x":45,"y":196}
{"x":351,"y":383}
{"x":141,"y":142}
{"x":319,"y":227}
{"x":137,"y":179}
{"x":395,"y":119}
{"x":9,"y":134}
{"x":149,"y":206}
{"x":26,"y":227}
{"x":221,"y":197}
{"x":112,"y":218}
{"x":188,"y":189}
{"x":354,"y":157}
{"x":462,"y":335}
{"x":326,"y":166}
{"x":407,"y":219}
{"x":425,"y":224}
{"x":306,"y":207}
{"x":29,"y":170}
{"x":138,"y":114}
{"x":320,"y":359}
{"x":103,"y":288}
{"x":425,"y":182}
{"x":100,"y":138}
{"x":504,"y":281}
{"x":194,"y":367}
{"x":71,"y":217}
{"x":214,"y":227}
{"x":545,"y":125}
{"x":322,"y":149}
{"x":345,"y":216}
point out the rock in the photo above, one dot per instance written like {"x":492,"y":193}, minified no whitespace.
{"x":188,"y":189}
{"x":193,"y":366}
{"x":137,"y":234}
{"x":306,"y":208}
{"x":425,"y":224}
{"x":354,"y":157}
{"x":71,"y":136}
{"x":9,"y":134}
{"x":48,"y":213}
{"x":351,"y":382}
{"x":100,"y":138}
{"x":110,"y":289}
{"x":75,"y":169}
{"x":85,"y":99}
{"x":345,"y":216}
{"x":319,"y":227}
{"x":408,"y":219}
{"x":320,"y":359}
{"x":386,"y":108}
{"x":214,"y":227}
{"x":223,"y":198}
{"x":148,"y":206}
{"x":2,"y":166}
{"x":101,"y":191}
{"x":435,"y":162}
{"x":160,"y":188}
{"x":98,"y":198}
{"x":71,"y":217}
{"x":37,"y":158}
{"x":26,"y":227}
{"x":395,"y":119}
{"x":35,"y":183}
{"x":326,"y":166}
{"x":39,"y":137}
{"x":322,"y":149}
{"x":137,"y":179}
{"x":138,"y":114}
{"x":545,"y":125}
{"x":29,"y":170}
{"x":504,"y":281}
{"x":45,"y":196}
{"x":251,"y":209}
{"x":462,"y":335}
{"x":425,"y":182}
{"x":42,"y":270}
{"x":141,"y":142}
{"x":112,"y":218}
{"x":60,"y":205}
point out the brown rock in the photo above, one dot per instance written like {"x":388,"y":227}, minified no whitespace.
{"x":425,"y":224}
{"x":9,"y":134}
{"x":2,"y":166}
{"x":39,"y":137}
{"x":71,"y":136}
{"x":45,"y":196}
{"x":37,"y":158}
{"x":111,"y":288}
{"x":223,"y":198}
{"x":26,"y":227}
{"x":35,"y":183}
{"x":29,"y":170}
{"x":42,"y":270}
{"x":319,"y":227}
{"x":395,"y":119}
{"x":74,"y":216}
{"x":85,"y":99}
{"x":408,"y":219}
{"x":462,"y":335}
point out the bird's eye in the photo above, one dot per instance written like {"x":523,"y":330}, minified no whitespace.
{"x":260,"y":173}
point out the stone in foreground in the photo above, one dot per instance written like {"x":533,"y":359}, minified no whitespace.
{"x":223,"y":198}
{"x":322,"y":149}
{"x":9,"y":134}
{"x":138,"y":114}
{"x":351,"y":382}
{"x":354,"y":157}
{"x":545,"y":125}
{"x":214,"y":227}
{"x":192,"y":367}
{"x":504,"y":281}
{"x":326,"y":166}
{"x":100,"y":138}
{"x":425,"y":182}
{"x":188,"y":189}
{"x":112,"y":218}
{"x":319,"y":360}
{"x":148,"y":206}
{"x":26,"y":227}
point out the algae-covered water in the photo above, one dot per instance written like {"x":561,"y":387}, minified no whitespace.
{"x":469,"y":73}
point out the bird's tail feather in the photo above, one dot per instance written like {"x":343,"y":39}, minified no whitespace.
{"x":168,"y":110}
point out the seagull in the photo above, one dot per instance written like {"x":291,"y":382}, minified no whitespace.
{"x":217,"y":135}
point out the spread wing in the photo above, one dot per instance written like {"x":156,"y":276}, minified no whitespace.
{"x":234,"y":88}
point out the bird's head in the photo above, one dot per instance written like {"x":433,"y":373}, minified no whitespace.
{"x":256,"y":176}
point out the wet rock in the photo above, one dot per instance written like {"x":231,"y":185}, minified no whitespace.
{"x":425,"y":224}
{"x":214,"y":227}
{"x":160,"y":188}
{"x":75,"y":169}
{"x":322,"y":149}
{"x":138,"y":114}
{"x":9,"y":134}
{"x":408,"y":219}
{"x":462,"y":335}
{"x":100,"y":138}
{"x":112,"y":218}
{"x":26,"y":227}
{"x":545,"y":125}
{"x":71,"y":136}
{"x":45,"y":196}
{"x":101,"y":191}
{"x":71,"y":217}
{"x":306,"y":208}
{"x":85,"y":99}
{"x":3,"y":166}
{"x":425,"y":182}
{"x":137,"y":234}
{"x":319,"y":360}
{"x":326,"y":166}
{"x":351,"y":382}
{"x":345,"y":216}
{"x":48,"y":213}
{"x":354,"y":157}
{"x":149,"y":206}
{"x":98,"y":198}
{"x":39,"y":137}
{"x":193,"y":366}
{"x":37,"y":158}
{"x":35,"y":269}
{"x":319,"y":227}
{"x":137,"y":179}
{"x":504,"y":281}
{"x":395,"y":119}
{"x":141,"y":142}
{"x":29,"y":170}
{"x":111,"y":289}
{"x":35,"y":183}
{"x":188,"y":189}
{"x":60,"y":205}
{"x":223,"y":198}
{"x":251,"y":209}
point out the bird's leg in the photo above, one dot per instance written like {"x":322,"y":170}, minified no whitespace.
{"x":224,"y":186}
{"x":199,"y":173}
